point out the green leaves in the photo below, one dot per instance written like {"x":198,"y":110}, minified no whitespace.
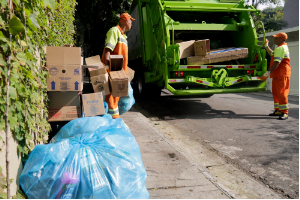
{"x":15,"y":26}
{"x":50,"y":4}
{"x":47,"y":24}
{"x":32,"y":21}
{"x":12,"y":92}
{"x":4,"y":3}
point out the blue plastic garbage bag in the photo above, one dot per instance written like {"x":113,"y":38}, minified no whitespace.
{"x":125,"y":103}
{"x":92,"y":157}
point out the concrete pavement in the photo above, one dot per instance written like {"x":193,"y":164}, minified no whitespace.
{"x":171,"y":175}
{"x":174,"y":174}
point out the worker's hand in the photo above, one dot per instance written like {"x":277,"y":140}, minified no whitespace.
{"x":266,"y":42}
{"x":265,"y":76}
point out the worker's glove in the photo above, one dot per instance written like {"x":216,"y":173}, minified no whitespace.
{"x":265,"y":76}
{"x":266,"y":43}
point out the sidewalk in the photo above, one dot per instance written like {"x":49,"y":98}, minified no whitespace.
{"x":170,"y":174}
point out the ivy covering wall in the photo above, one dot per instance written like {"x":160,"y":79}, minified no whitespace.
{"x":33,"y":25}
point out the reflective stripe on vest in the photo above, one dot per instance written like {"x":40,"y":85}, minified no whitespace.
{"x":122,"y":40}
{"x":110,"y":45}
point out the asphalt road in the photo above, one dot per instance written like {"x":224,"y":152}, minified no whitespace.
{"x":238,"y":128}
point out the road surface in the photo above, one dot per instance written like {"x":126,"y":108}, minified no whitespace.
{"x":238,"y":128}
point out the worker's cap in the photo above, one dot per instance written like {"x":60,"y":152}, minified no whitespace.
{"x":125,"y":17}
{"x":282,"y":35}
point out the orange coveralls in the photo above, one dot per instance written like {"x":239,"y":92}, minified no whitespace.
{"x":281,"y":78}
{"x":116,"y":41}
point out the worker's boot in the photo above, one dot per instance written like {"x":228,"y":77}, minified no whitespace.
{"x":275,"y":113}
{"x":283,"y":116}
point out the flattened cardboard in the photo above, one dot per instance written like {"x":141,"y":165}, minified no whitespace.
{"x":94,"y":60}
{"x":219,"y":55}
{"x":64,"y":106}
{"x":130,"y":74}
{"x":65,"y":78}
{"x":93,"y":104}
{"x":186,"y":49}
{"x":63,"y":55}
{"x":115,"y":62}
{"x":118,"y":83}
{"x":100,"y":83}
{"x":95,"y":66}
{"x":202,"y":47}
{"x":97,"y":72}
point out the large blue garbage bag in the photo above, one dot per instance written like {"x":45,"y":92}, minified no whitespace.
{"x":125,"y":103}
{"x":92,"y":157}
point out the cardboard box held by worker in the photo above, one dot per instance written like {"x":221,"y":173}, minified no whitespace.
{"x":116,"y":62}
{"x":93,"y":104}
{"x":101,"y":83}
{"x":95,"y":66}
{"x":130,"y":74}
{"x":64,"y":106}
{"x":118,"y":83}
{"x":64,"y":68}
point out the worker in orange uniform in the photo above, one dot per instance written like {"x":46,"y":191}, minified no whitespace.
{"x":116,"y":44}
{"x":280,"y":71}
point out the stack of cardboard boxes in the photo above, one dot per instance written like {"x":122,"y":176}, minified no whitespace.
{"x":65,"y":83}
{"x":199,"y":53}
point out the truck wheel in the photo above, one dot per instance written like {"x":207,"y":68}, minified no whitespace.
{"x":147,"y":90}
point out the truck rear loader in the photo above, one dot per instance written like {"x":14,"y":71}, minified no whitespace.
{"x":155,"y":55}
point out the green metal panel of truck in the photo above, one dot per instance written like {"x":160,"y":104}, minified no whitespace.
{"x":154,"y":54}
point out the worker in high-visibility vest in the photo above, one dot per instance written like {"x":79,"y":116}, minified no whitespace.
{"x":280,"y":71}
{"x":116,"y":44}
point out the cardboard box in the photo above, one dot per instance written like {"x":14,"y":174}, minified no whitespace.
{"x":186,"y":49}
{"x":202,"y":47}
{"x":63,"y":55}
{"x":116,"y":62}
{"x":65,"y":78}
{"x":93,"y":104}
{"x":64,"y":106}
{"x":95,"y":60}
{"x":118,"y":83}
{"x":95,"y":66}
{"x":219,"y":55}
{"x":100,"y":83}
{"x":97,"y":72}
{"x":130,"y":74}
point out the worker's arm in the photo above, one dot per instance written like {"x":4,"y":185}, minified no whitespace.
{"x":269,"y":50}
{"x":106,"y":56}
{"x":110,"y":44}
{"x":274,"y":66}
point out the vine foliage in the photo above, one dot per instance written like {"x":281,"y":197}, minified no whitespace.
{"x":33,"y":24}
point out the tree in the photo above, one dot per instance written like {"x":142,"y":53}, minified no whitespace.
{"x":93,"y":18}
{"x":272,"y":19}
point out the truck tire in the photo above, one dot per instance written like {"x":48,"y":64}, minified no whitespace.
{"x":147,"y":90}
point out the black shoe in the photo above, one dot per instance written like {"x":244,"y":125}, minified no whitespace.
{"x":283,"y":116}
{"x":275,"y":113}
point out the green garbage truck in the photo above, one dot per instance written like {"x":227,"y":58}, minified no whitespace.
{"x":154,"y":50}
